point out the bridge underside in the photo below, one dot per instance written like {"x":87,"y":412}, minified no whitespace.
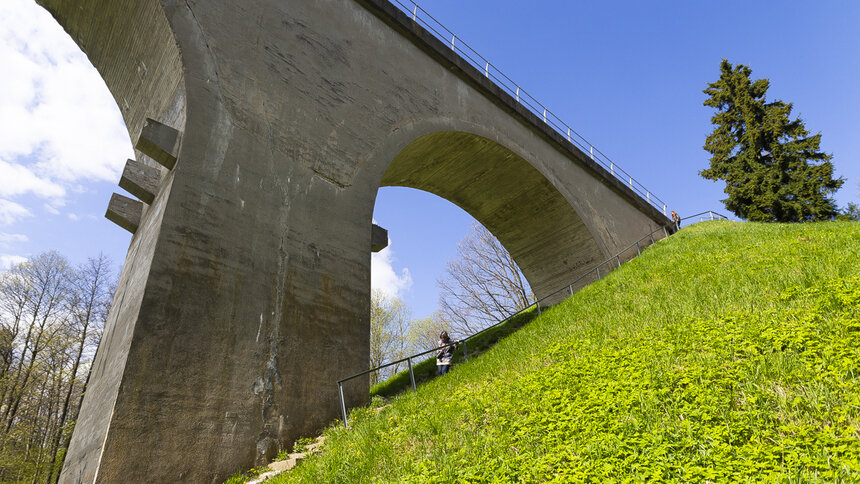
{"x":532,"y":220}
{"x":245,"y":293}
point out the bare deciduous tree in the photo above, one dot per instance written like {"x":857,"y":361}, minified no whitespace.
{"x":51,"y":318}
{"x":389,"y":323}
{"x":483,"y":286}
{"x":424,"y":333}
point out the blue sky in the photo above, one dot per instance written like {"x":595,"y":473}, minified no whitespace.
{"x":626,"y":75}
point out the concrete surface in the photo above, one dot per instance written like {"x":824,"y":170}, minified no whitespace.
{"x":246,"y":290}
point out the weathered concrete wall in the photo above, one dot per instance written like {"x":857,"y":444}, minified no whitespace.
{"x":245,"y":294}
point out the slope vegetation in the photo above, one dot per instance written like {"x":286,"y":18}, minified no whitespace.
{"x":730,"y":352}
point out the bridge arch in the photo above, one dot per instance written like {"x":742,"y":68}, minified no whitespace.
{"x":511,"y":197}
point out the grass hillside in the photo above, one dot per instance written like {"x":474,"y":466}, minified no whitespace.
{"x":730,"y":352}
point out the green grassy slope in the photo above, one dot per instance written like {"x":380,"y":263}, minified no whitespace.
{"x":730,"y":352}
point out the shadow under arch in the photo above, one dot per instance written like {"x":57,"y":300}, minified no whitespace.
{"x":509,"y":196}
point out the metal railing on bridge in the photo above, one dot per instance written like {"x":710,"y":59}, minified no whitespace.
{"x":481,"y":64}
{"x":595,"y":273}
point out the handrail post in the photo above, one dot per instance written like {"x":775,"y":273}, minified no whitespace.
{"x":571,"y":289}
{"x":665,"y":233}
{"x":712,"y":215}
{"x":652,"y":237}
{"x":414,"y":13}
{"x":597,"y":270}
{"x":619,"y":259}
{"x":638,"y":250}
{"x":342,"y":403}
{"x":411,"y":374}
{"x":537,"y":304}
{"x":465,"y":353}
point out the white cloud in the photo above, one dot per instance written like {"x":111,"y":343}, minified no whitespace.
{"x":11,"y":212}
{"x":6,"y":239}
{"x":383,"y":276}
{"x":7,"y":261}
{"x":60,"y":124}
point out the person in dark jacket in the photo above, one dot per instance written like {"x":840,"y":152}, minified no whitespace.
{"x":444,"y":353}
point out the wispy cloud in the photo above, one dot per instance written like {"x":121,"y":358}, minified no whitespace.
{"x":61,"y":127}
{"x":11,"y":211}
{"x":384,"y":277}
{"x":6,"y":239}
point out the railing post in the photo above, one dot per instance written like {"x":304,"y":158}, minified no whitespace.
{"x":544,"y":115}
{"x":465,"y":353}
{"x":664,"y":209}
{"x":638,"y":250}
{"x":411,"y":374}
{"x":612,"y":168}
{"x":454,"y":37}
{"x":568,"y":134}
{"x":537,"y":304}
{"x":597,"y":270}
{"x":571,"y":289}
{"x":487,"y":70}
{"x":631,"y":182}
{"x":342,"y":403}
{"x":618,"y":257}
{"x":652,"y":237}
{"x":712,"y":214}
{"x":414,"y":13}
{"x":518,"y":93}
{"x":665,"y":233}
{"x":591,"y":151}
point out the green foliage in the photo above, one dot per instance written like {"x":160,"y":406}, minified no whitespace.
{"x":728,"y":353}
{"x":243,"y":477}
{"x":301,"y":445}
{"x":850,"y":213}
{"x":773,"y":169}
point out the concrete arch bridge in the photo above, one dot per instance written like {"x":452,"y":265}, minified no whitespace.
{"x":263,"y":130}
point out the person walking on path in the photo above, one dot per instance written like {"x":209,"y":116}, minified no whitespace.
{"x":444,"y":353}
{"x":676,"y":219}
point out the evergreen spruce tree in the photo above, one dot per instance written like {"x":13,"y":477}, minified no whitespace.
{"x":773,"y":169}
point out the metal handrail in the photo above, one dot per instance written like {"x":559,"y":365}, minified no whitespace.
{"x":491,"y":72}
{"x":616,"y":259}
{"x":711,"y":214}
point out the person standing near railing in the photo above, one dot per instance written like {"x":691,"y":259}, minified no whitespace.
{"x":444,"y":353}
{"x":676,"y":219}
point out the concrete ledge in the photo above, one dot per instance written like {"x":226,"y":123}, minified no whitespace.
{"x":378,"y":238}
{"x":159,"y":142}
{"x":125,"y":212}
{"x":140,"y":180}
